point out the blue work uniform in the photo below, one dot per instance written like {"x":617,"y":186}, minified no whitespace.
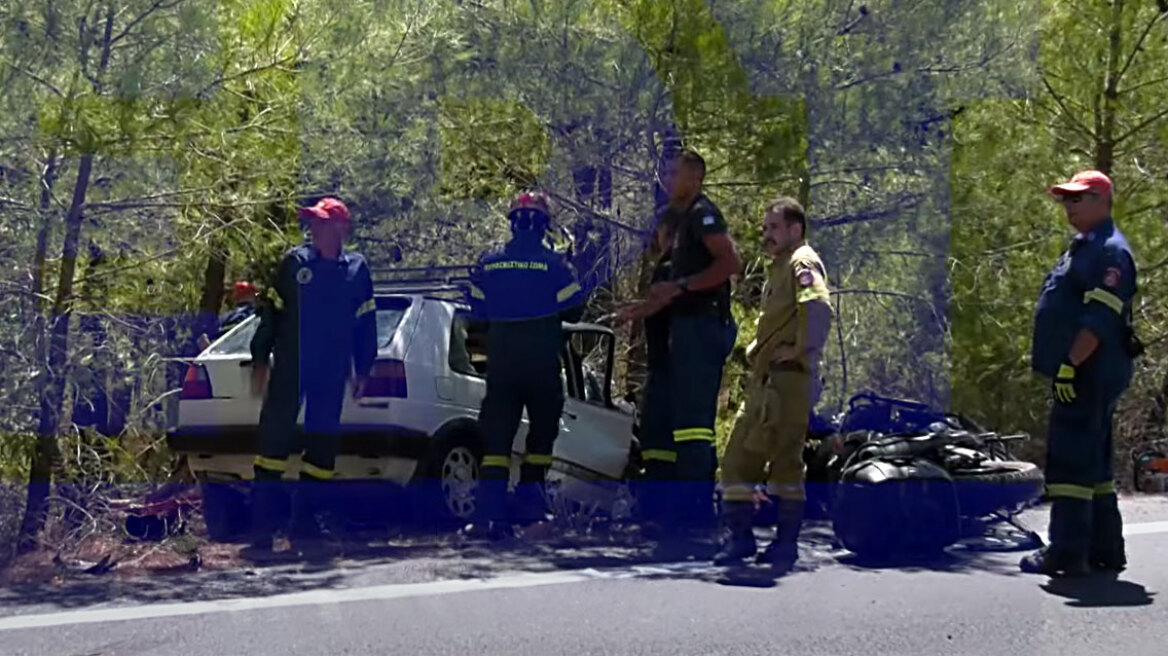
{"x":656,"y":430}
{"x":1091,"y":287}
{"x":523,"y":291}
{"x":235,"y":316}
{"x":702,"y":334}
{"x":321,"y":325}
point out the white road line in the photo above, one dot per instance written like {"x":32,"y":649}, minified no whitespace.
{"x":375,"y":593}
{"x":1145,"y":528}
{"x":309,"y":598}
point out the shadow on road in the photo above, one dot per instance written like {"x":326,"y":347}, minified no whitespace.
{"x":1099,"y":592}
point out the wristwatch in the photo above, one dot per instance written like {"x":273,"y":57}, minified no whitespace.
{"x":683,"y":283}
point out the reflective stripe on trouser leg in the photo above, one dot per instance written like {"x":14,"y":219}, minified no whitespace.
{"x":742,"y":468}
{"x":654,"y":494}
{"x":1076,"y":437}
{"x":787,"y":413}
{"x":501,"y":413}
{"x":277,"y":440}
{"x":698,"y":349}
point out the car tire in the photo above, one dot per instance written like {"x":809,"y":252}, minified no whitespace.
{"x":226,"y":511}
{"x":444,"y":489}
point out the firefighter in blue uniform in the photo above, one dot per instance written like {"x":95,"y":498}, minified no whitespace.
{"x":523,"y":291}
{"x":321,"y":326}
{"x":1083,"y":341}
{"x":656,"y":426}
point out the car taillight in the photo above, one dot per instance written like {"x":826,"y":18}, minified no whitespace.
{"x":196,"y":384}
{"x":387,"y":379}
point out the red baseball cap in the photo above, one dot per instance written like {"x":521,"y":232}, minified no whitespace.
{"x":328,"y":209}
{"x":1092,"y":181}
{"x":243,"y":290}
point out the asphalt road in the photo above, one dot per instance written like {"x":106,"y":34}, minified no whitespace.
{"x":607,"y":599}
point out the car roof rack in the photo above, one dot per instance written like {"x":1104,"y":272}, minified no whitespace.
{"x":446,"y":282}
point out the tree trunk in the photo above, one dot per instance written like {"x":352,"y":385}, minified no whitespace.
{"x":46,"y":455}
{"x":214,"y":279}
{"x":1105,"y":138}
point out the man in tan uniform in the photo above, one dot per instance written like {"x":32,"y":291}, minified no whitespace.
{"x":782,"y":390}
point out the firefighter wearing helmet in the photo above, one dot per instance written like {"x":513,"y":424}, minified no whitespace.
{"x":523,"y":291}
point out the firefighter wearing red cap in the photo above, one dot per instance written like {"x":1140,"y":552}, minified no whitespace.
{"x":321,"y":327}
{"x":523,"y":291}
{"x":1083,"y":341}
{"x":244,"y":295}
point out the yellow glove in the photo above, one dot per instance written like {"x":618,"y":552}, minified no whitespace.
{"x":1064,"y":384}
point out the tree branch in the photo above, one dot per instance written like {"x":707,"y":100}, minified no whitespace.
{"x":36,"y":78}
{"x":158,"y":5}
{"x":14,"y":203}
{"x":1144,"y":124}
{"x":1066,"y":111}
{"x":909,"y":202}
{"x":1141,"y":85}
{"x":1139,"y":44}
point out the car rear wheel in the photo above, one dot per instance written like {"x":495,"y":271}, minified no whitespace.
{"x":444,"y":490}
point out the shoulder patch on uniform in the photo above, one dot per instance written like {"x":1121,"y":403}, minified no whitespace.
{"x":1111,"y":277}
{"x":709,"y":220}
{"x":304,"y":275}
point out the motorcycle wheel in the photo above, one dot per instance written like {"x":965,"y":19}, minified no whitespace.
{"x":997,"y":486}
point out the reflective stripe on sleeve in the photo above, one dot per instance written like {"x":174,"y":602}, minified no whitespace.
{"x":366,"y":307}
{"x":1105,"y":297}
{"x":537,"y":459}
{"x":567,"y":292}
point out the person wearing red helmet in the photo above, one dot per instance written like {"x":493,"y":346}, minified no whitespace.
{"x":523,"y":291}
{"x":244,"y":295}
{"x":322,"y":328}
{"x":1083,"y":341}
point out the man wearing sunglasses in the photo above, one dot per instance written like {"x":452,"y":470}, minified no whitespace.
{"x":1081,"y":340}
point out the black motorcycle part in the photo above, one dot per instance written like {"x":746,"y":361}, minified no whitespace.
{"x":896,"y":508}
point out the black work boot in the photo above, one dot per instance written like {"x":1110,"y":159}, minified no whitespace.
{"x":1070,"y":537}
{"x":1107,"y":552}
{"x":490,"y":519}
{"x":530,"y":502}
{"x":738,"y":542}
{"x":307,"y":537}
{"x":782,"y":553}
{"x":265,"y":518}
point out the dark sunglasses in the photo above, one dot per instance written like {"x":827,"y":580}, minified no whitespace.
{"x":1071,"y":199}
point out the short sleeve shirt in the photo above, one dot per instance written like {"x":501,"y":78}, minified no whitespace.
{"x":690,"y":255}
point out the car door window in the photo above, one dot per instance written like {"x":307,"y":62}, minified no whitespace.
{"x":468,"y":346}
{"x":590,"y":349}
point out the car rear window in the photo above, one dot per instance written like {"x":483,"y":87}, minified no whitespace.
{"x":390,"y":312}
{"x":238,"y":341}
